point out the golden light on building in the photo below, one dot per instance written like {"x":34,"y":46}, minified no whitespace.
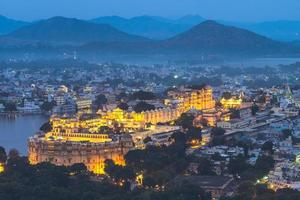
{"x":78,"y":137}
{"x":139,"y":179}
{"x":68,"y":152}
{"x":231,"y":103}
{"x":79,"y":140}
{"x":1,"y":167}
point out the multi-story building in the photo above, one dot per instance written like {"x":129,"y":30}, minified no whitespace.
{"x":80,"y":139}
{"x":84,"y":104}
{"x":69,"y":148}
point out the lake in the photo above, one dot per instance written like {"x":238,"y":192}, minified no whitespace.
{"x":15,"y":132}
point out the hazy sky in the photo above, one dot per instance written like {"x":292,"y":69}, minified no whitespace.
{"x":237,"y":10}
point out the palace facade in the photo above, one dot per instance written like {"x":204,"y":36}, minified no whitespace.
{"x":89,"y":149}
{"x":81,"y":139}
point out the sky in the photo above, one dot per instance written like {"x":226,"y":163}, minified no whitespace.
{"x":232,"y":10}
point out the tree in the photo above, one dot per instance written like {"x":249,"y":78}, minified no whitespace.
{"x":106,"y":130}
{"x":147,"y":139}
{"x":3,"y":156}
{"x":285,"y":133}
{"x":194,"y":135}
{"x":186,"y":121}
{"x":254,"y":109}
{"x":217,"y":132}
{"x":100,"y":101}
{"x":238,"y":165}
{"x":143,"y":106}
{"x":246,"y":190}
{"x":217,"y":157}
{"x":10,"y":107}
{"x":117,"y":172}
{"x":205,"y":167}
{"x":179,"y":137}
{"x":46,"y":127}
{"x":77,"y":168}
{"x":235,"y":113}
{"x":185,"y":191}
{"x":263,"y":165}
{"x":217,"y":135}
{"x":268,"y":147}
{"x":123,"y":106}
{"x":48,"y":106}
{"x":226,"y":95}
{"x":142,"y":95}
{"x":13,"y":154}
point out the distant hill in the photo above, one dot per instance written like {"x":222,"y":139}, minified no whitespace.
{"x":60,"y":30}
{"x":151,"y":26}
{"x":208,"y":38}
{"x":212,"y":37}
{"x":283,"y":30}
{"x":8,"y":25}
{"x":162,"y":28}
{"x":190,"y":20}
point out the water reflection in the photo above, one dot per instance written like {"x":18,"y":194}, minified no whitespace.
{"x":15,"y":132}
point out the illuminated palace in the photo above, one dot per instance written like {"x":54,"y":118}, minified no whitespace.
{"x":232,"y":101}
{"x":90,"y":149}
{"x":81,"y":139}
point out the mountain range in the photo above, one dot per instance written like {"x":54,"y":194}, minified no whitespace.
{"x":212,"y":37}
{"x":207,"y":38}
{"x":150,"y":26}
{"x":154,"y":27}
{"x":8,"y":25}
{"x":60,"y":30}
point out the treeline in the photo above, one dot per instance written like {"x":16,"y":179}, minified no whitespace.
{"x":45,"y":181}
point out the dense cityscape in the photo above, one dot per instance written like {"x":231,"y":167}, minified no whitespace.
{"x":202,"y":131}
{"x":149,"y":100}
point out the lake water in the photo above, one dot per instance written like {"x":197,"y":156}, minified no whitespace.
{"x":262,"y":62}
{"x":15,"y":132}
